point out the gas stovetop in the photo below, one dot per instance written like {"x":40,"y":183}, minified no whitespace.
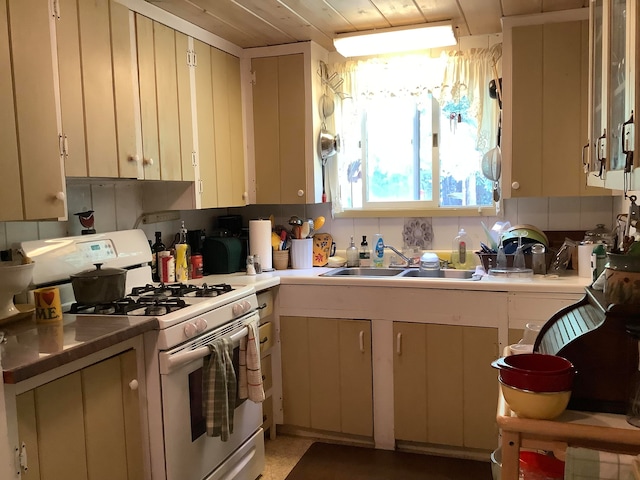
{"x":154,"y":300}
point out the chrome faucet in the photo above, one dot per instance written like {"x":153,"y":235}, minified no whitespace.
{"x":409,"y":261}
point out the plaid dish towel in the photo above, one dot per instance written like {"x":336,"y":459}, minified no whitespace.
{"x":586,"y":464}
{"x":219,"y":389}
{"x":250,"y":381}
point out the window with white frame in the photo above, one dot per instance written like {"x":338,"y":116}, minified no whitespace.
{"x":414,"y":130}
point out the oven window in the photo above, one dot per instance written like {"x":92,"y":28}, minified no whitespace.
{"x":198,"y":421}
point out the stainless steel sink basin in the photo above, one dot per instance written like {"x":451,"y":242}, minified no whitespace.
{"x":396,"y":272}
{"x":446,"y":273}
{"x":364,"y":272}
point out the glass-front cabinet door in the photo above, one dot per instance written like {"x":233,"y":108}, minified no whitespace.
{"x":613,"y":26}
{"x":597,"y":105}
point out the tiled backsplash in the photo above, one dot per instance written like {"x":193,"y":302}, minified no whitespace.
{"x":118,"y":206}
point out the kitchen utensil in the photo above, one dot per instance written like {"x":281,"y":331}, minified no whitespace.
{"x":490,"y":237}
{"x":538,"y":373}
{"x":99,"y":286}
{"x":529,"y":234}
{"x":327,"y":106}
{"x":536,"y":405}
{"x":305,"y":229}
{"x":318,"y":223}
{"x":14,"y":278}
{"x":492,"y":163}
{"x":518,"y":260}
{"x":328,"y":144}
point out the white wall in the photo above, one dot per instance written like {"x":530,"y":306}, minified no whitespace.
{"x":118,"y":205}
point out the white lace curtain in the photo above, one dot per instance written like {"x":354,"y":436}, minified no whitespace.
{"x":449,"y":77}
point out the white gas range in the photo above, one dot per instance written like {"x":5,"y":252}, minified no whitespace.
{"x":190,"y":318}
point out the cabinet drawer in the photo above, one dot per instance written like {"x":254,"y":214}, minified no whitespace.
{"x":265,"y":336}
{"x":267,"y":377}
{"x":265,"y":298}
{"x":538,"y":308}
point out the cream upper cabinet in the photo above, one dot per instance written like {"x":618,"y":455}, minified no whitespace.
{"x":184,"y":67}
{"x":211,"y":138}
{"x":167,"y":95}
{"x":148,"y":97}
{"x":165,"y":61}
{"x":545,"y":73}
{"x":97,"y":93}
{"x":97,"y":84}
{"x":613,"y":83}
{"x":125,"y":92}
{"x":278,"y":127}
{"x":31,"y":159}
{"x":229,"y":138}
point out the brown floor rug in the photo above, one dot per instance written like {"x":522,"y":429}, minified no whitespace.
{"x":325,"y":461}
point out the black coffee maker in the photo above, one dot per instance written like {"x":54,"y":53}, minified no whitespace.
{"x":195,"y":239}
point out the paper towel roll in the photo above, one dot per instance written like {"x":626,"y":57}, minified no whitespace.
{"x":584,"y":260}
{"x":260,"y":242}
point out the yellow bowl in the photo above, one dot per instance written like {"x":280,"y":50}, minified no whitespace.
{"x":538,"y":405}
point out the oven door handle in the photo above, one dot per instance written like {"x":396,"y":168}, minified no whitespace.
{"x":170,"y":362}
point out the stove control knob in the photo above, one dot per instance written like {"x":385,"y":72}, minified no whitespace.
{"x":237,"y":310}
{"x":246,"y":305}
{"x":201,"y":325}
{"x":190,"y":330}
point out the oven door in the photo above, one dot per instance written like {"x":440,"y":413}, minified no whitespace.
{"x":189,"y":452}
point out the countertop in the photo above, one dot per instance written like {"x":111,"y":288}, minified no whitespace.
{"x":313,"y":276}
{"x":30,"y":349}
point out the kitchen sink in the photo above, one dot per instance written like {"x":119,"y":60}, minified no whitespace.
{"x":364,"y":272}
{"x":396,"y":272}
{"x":445,"y":273}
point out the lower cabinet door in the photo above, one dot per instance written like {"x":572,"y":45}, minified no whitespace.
{"x":85,"y":425}
{"x":327,"y":374}
{"x":444,"y":386}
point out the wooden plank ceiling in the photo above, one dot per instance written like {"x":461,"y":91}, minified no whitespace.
{"x":260,"y":23}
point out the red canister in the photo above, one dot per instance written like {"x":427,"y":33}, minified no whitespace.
{"x":196,"y":266}
{"x":168,"y":269}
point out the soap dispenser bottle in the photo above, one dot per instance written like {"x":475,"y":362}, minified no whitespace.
{"x":461,"y":253}
{"x":352,"y":254}
{"x":378,"y":254}
{"x":365,"y":253}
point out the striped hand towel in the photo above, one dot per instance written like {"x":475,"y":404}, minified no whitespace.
{"x":219,"y":389}
{"x":586,"y":464}
{"x":250,"y":381}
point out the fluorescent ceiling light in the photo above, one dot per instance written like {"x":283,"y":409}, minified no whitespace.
{"x":398,"y":39}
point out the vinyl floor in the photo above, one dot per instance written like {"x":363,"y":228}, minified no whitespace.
{"x":293,"y":458}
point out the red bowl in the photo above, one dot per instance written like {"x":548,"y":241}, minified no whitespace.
{"x":536,"y":372}
{"x":536,"y":363}
{"x":537,"y":383}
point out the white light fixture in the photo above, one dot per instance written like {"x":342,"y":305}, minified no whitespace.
{"x":398,"y":39}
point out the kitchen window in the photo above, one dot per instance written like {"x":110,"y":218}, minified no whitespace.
{"x":414,"y":130}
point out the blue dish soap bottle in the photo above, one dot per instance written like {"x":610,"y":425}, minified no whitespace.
{"x":378,"y":252}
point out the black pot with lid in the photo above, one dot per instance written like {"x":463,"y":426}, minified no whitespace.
{"x":99,"y":286}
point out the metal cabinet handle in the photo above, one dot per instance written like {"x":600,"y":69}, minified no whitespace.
{"x":585,"y":164}
{"x":628,"y":162}
{"x":600,"y":153}
{"x":399,"y":344}
{"x":361,"y":340}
